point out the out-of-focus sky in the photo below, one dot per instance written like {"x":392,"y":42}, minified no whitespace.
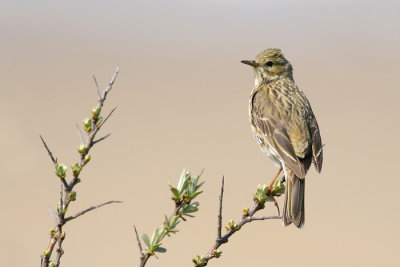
{"x":182,"y":97}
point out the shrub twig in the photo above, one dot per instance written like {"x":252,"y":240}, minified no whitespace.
{"x":262,"y":195}
{"x":67,"y":195}
{"x":188,"y":189}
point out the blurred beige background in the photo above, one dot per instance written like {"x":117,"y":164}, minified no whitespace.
{"x":182,"y":99}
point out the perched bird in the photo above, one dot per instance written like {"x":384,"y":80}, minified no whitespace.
{"x":284,"y":125}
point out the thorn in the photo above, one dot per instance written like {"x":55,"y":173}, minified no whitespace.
{"x":48,"y":151}
{"x":97,"y":87}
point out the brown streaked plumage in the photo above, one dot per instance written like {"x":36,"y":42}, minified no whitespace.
{"x":284,"y":125}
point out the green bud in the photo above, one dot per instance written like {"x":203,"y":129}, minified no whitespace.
{"x":51,"y":264}
{"x":232,"y":226}
{"x":216,"y":253}
{"x":261,"y":195}
{"x":186,"y":199}
{"x":86,"y":159}
{"x":76,"y":169}
{"x":72,"y":196}
{"x":199,"y":261}
{"x":96,"y":112}
{"x":278,"y":188}
{"x":62,"y":236}
{"x":52,"y":232}
{"x":246,"y":211}
{"x":99,"y":121}
{"x":82,"y":148}
{"x":64,"y":211}
{"x":46,"y":253}
{"x":61,"y":170}
{"x":87,"y":124}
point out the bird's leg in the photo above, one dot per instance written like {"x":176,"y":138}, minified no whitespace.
{"x":276,"y":205}
{"x":273,"y":181}
{"x":269,"y":190}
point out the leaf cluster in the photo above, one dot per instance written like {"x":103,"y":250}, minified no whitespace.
{"x":266,"y":194}
{"x":183,"y":194}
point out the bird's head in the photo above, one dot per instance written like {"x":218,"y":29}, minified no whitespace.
{"x":270,"y":65}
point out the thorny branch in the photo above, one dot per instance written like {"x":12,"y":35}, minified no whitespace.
{"x":232,"y":228}
{"x":220,"y":209}
{"x":54,"y":160}
{"x":90,"y":209}
{"x":67,"y":194}
{"x":139,"y":243}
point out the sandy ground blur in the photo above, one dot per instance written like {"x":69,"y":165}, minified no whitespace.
{"x":182,"y":99}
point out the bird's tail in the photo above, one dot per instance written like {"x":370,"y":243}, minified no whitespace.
{"x":293,"y":209}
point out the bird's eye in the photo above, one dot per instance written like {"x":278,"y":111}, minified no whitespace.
{"x":269,"y":63}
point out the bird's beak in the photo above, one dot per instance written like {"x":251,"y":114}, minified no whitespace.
{"x":250,"y":62}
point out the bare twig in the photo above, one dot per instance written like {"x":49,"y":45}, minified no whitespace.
{"x":66,"y":193}
{"x":101,"y":139}
{"x":59,"y":250}
{"x":220,"y":209}
{"x":90,"y":209}
{"x":80,"y":134}
{"x":139,"y":243}
{"x":109,"y":87}
{"x":54,"y":160}
{"x":106,"y":118}
{"x":143,"y":257}
{"x":53,"y":215}
{"x":264,"y":218}
{"x":97,"y":87}
{"x":246,"y":218}
{"x":144,"y":260}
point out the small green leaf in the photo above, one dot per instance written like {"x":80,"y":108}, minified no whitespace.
{"x":175,"y":192}
{"x":191,"y":208}
{"x":194,"y":195}
{"x":174,"y":220}
{"x":182,"y":180}
{"x":146,"y":240}
{"x":161,"y":249}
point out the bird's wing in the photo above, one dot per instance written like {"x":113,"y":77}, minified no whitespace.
{"x":274,"y":132}
{"x":316,"y":144}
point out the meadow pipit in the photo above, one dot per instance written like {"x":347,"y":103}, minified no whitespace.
{"x":284,"y":125}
